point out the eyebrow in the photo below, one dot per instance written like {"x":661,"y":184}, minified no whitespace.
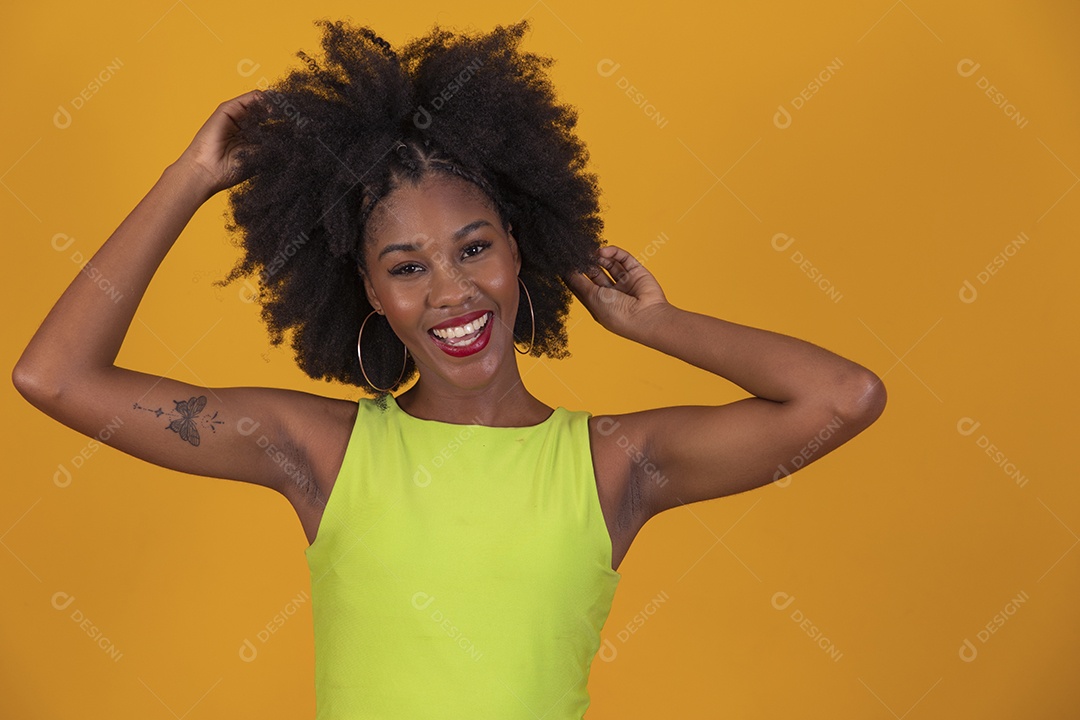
{"x":458,"y":235}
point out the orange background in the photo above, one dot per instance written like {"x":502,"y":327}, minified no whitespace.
{"x":896,"y":178}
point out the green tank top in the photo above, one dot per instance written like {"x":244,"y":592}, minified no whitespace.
{"x":459,"y":571}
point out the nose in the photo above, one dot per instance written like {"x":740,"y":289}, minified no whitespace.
{"x":449,"y":285}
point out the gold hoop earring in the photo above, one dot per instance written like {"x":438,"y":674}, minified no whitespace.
{"x":361,"y":359}
{"x":532,"y":316}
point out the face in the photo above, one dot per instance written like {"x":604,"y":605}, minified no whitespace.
{"x":439,"y":264}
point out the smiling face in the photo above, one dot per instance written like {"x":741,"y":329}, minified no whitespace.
{"x":444,"y":272}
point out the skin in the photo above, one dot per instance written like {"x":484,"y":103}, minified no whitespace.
{"x":444,"y":279}
{"x":645,"y":462}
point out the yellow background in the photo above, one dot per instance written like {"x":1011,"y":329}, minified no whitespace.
{"x":898,"y":180}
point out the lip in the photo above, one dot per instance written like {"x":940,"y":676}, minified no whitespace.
{"x":460,"y":320}
{"x":475,"y":346}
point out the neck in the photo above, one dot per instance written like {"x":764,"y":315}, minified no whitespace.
{"x":506,"y":404}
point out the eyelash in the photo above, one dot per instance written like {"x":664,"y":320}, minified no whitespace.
{"x":400,"y":269}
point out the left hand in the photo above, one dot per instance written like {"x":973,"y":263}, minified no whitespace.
{"x":214,"y":153}
{"x":626,"y":301}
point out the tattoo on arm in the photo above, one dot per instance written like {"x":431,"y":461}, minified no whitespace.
{"x":186,"y":418}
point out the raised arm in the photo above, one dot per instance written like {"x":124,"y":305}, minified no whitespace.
{"x":68,"y":370}
{"x":807,"y":401}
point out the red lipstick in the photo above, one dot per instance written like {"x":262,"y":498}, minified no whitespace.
{"x":478,"y":343}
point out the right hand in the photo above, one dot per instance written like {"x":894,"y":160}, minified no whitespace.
{"x":212,"y":154}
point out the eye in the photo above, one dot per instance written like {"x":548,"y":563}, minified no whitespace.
{"x":482,"y":245}
{"x":404,"y":268}
{"x":400,"y":269}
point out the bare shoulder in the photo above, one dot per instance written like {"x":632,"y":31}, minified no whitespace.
{"x":691,"y":453}
{"x":624,"y":465}
{"x":318,"y":429}
{"x":620,"y":474}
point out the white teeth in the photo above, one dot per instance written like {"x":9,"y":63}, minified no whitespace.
{"x":462,"y":330}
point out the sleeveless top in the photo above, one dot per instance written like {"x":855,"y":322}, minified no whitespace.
{"x":459,"y":571}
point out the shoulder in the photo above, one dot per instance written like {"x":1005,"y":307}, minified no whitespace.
{"x":311,"y":415}
{"x":616,"y":443}
{"x":620,"y":435}
{"x":318,"y":430}
{"x":629,"y":444}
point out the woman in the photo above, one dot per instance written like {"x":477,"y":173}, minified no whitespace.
{"x":433,"y":206}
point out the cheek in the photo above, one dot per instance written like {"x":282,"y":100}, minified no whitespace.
{"x":501,"y":277}
{"x":406,"y":305}
{"x":400,"y":304}
{"x":501,"y":285}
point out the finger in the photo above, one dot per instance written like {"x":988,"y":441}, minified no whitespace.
{"x":581,"y":287}
{"x":238,"y":107}
{"x":598,"y":276}
{"x":607,"y":258}
{"x":615,"y":269}
{"x":620,"y":256}
{"x":584,"y":287}
{"x":626,"y":266}
{"x":626,"y":261}
{"x":250,"y":96}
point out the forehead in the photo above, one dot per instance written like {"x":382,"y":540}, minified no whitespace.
{"x":436,"y":207}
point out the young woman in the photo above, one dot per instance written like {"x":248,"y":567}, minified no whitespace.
{"x":433,"y":207}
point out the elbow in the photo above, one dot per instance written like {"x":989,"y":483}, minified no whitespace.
{"x":863,"y":401}
{"x":35,"y":387}
{"x":23,"y":378}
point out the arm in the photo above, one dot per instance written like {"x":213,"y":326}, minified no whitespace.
{"x":68,"y":369}
{"x":807,"y":401}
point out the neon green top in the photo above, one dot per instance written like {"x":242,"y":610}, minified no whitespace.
{"x":460,"y":571}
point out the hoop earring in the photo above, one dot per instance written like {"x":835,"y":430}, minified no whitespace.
{"x":532,"y":316}
{"x":361,"y":359}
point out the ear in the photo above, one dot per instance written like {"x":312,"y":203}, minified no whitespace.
{"x":514,"y":249}
{"x":370,"y":291}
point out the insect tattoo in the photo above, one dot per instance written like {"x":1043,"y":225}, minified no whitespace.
{"x":186,"y":418}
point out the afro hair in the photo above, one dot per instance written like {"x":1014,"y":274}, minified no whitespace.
{"x":342,"y":132}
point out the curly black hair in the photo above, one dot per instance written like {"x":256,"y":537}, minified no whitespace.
{"x":339,"y":134}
